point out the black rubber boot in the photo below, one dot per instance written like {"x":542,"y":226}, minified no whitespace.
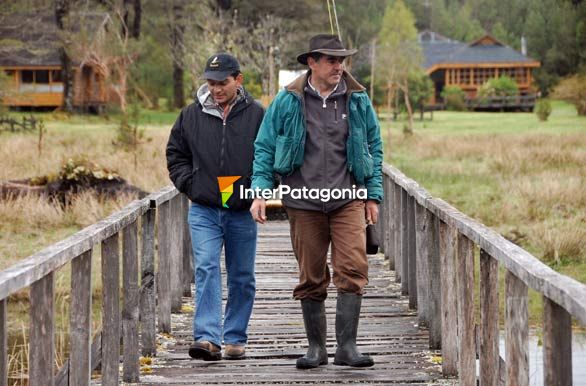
{"x":347,"y":315}
{"x":314,"y":318}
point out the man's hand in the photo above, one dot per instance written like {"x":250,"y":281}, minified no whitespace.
{"x":258,"y":210}
{"x":371,"y":209}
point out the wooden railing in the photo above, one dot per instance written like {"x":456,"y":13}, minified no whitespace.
{"x":432,"y":246}
{"x":162,"y":217}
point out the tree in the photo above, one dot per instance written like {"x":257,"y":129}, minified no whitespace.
{"x":175,"y":10}
{"x":400,"y":53}
{"x":62,"y":10}
{"x":573,"y":90}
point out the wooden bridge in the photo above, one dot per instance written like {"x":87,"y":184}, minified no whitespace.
{"x":419,"y":308}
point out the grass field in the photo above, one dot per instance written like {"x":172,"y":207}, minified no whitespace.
{"x":524,"y":178}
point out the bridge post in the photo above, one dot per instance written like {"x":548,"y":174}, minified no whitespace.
{"x":489,"y":321}
{"x":131,"y":365}
{"x":148,"y":285}
{"x":435,"y":281}
{"x":465,"y":294}
{"x":42,"y":324}
{"x":449,"y":306}
{"x":517,"y":332}
{"x":110,"y":311}
{"x":81,"y":320}
{"x":412,"y":252}
{"x":187,"y":249}
{"x":404,"y":242}
{"x":557,"y":344}
{"x":176,"y":255}
{"x":3,"y":344}
{"x":390,"y":252}
{"x":164,"y":272}
{"x":397,"y":236}
{"x":422,"y":249}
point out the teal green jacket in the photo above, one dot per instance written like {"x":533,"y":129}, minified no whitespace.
{"x":280,"y":143}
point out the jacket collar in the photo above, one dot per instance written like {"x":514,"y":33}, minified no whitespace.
{"x":299,"y":84}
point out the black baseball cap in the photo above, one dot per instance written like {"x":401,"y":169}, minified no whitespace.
{"x":220,"y":66}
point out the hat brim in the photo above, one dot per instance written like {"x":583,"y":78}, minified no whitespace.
{"x":216,"y":75}
{"x":302,"y":58}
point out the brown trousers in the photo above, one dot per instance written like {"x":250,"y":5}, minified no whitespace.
{"x":311,"y":235}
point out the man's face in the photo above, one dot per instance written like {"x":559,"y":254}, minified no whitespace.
{"x":224,"y":91}
{"x":328,"y":69}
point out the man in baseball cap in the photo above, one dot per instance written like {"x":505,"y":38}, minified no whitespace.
{"x":210,"y":152}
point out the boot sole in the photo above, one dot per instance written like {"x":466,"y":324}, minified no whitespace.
{"x":206,"y":355}
{"x":306,"y":366}
{"x":358,"y":364}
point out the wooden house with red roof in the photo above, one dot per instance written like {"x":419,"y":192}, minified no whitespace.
{"x":469,"y":65}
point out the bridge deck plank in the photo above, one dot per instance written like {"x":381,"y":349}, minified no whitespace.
{"x":388,"y":331}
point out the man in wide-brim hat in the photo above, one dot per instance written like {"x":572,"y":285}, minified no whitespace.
{"x":321,"y":134}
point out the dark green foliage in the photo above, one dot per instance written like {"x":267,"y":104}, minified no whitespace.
{"x":543,"y":109}
{"x":503,"y":86}
{"x":454,"y":98}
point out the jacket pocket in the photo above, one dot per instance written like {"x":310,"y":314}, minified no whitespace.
{"x":367,"y":161}
{"x":283,"y":154}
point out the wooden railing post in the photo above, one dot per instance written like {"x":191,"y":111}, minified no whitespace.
{"x":81,"y":320}
{"x":164,"y":272}
{"x":390,"y":222}
{"x":517,"y":331}
{"x":398,"y":236}
{"x":404,"y":242}
{"x":3,"y":344}
{"x":465,"y":294}
{"x":412,"y":253}
{"x":147,"y":301}
{"x":131,"y":366}
{"x":422,"y":252}
{"x":435,"y":282}
{"x":489,"y":321}
{"x":557,"y":345}
{"x":110,"y":310}
{"x":448,"y":240}
{"x":177,"y":228}
{"x":42,"y":324}
{"x":187,"y":249}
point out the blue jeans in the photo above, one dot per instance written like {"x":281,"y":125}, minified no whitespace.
{"x":211,"y":228}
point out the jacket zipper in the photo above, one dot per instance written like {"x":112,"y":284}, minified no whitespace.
{"x":336,"y":111}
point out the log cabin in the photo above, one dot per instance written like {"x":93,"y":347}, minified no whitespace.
{"x":450,"y":62}
{"x":30,"y":57}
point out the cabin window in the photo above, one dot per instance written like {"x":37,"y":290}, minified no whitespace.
{"x":27,"y":76}
{"x":42,"y":76}
{"x":465,"y":76}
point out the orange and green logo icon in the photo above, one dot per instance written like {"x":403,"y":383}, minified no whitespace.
{"x":227,"y":188}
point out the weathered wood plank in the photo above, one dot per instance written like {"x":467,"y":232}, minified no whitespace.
{"x":489,"y":321}
{"x":176,"y":240}
{"x":465,"y":294}
{"x":390,"y":252}
{"x":110,"y":310}
{"x":164,"y":195}
{"x":516,"y":331}
{"x":3,"y":344}
{"x":33,"y":268}
{"x":81,"y":312}
{"x":435,"y":280}
{"x":42,"y":324}
{"x":398,"y":237}
{"x":411,"y":230}
{"x":131,"y":294}
{"x":164,"y":271}
{"x":563,"y":290}
{"x":187,"y":253}
{"x":422,"y":247}
{"x":405,"y":242}
{"x":448,"y":239}
{"x":147,"y":297}
{"x":557,"y":345}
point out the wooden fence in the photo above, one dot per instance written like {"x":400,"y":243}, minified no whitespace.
{"x":432,"y":246}
{"x":161,"y":217}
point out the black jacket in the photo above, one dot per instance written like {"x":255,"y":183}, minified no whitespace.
{"x":202,"y":147}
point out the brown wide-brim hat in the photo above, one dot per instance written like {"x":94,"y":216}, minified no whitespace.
{"x":327,"y":45}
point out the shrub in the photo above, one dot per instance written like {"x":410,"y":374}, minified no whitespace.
{"x":498,"y":87}
{"x":454,"y":98}
{"x":573,"y":90}
{"x":543,"y":109}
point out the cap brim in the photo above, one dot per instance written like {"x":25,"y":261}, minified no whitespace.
{"x":216,"y":75}
{"x":303,"y":57}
